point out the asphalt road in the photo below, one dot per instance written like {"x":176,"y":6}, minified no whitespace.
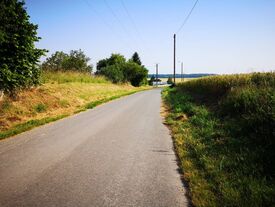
{"x":118,"y":154}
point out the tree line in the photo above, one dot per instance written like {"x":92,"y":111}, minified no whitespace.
{"x":115,"y":68}
{"x":19,"y":58}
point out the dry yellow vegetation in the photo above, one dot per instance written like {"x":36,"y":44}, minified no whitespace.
{"x":60,"y":95}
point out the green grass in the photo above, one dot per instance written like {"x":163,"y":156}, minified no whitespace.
{"x":28,"y":125}
{"x":105,"y":100}
{"x":40,"y":108}
{"x":223,"y":130}
{"x":68,"y":77}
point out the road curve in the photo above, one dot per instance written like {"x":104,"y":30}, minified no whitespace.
{"x":118,"y":154}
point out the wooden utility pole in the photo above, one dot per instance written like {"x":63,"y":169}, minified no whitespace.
{"x":157,"y":73}
{"x":174,"y":58}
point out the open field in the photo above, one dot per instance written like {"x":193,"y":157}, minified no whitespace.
{"x":62,"y":94}
{"x":178,"y":80}
{"x":223,"y":129}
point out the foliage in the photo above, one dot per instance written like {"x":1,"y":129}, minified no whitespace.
{"x":118,"y":70}
{"x":152,"y":79}
{"x":40,"y":108}
{"x":75,"y":61}
{"x":113,"y":73}
{"x":56,"y":61}
{"x":134,"y":73}
{"x":169,"y":81}
{"x":18,"y":55}
{"x":136,"y":59}
{"x":226,"y":142}
{"x":115,"y":59}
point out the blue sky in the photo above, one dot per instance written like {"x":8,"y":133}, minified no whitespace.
{"x":221,"y":36}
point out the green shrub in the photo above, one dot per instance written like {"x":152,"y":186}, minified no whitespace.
{"x":117,"y":70}
{"x":39,"y":108}
{"x":113,"y":73}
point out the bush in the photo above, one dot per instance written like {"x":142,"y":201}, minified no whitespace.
{"x":113,"y":73}
{"x":134,"y":73}
{"x":39,"y":108}
{"x":118,"y":70}
{"x":18,"y":55}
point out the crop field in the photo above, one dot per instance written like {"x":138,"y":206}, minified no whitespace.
{"x":224,"y":134}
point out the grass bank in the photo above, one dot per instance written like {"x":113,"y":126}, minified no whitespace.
{"x":224,"y":134}
{"x":60,"y":95}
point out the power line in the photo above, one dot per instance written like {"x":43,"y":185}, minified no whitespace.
{"x":106,"y":23}
{"x":98,"y":15}
{"x":187,"y":17}
{"x":116,"y":17}
{"x":131,"y":19}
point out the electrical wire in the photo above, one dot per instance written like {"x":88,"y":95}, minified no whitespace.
{"x":132,"y":20}
{"x":107,"y":24}
{"x":187,"y":17}
{"x":116,"y":17}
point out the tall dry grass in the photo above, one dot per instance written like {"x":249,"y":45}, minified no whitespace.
{"x":61,"y":94}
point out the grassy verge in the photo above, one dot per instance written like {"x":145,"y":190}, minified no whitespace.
{"x":61,"y":95}
{"x":19,"y":128}
{"x":223,"y":130}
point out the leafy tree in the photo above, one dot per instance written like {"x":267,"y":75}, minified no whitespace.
{"x":113,"y":60}
{"x":56,"y":61}
{"x":116,"y":59}
{"x":18,"y":55}
{"x":169,"y":81}
{"x":134,"y":73}
{"x":101,"y":64}
{"x":118,"y":70}
{"x":113,"y":73}
{"x":75,"y":61}
{"x":135,"y":58}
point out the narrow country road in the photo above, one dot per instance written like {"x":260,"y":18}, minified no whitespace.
{"x":118,"y":154}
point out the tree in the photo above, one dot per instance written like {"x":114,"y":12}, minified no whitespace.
{"x":113,"y":60}
{"x":18,"y":55}
{"x":75,"y":61}
{"x":56,"y":61}
{"x":169,"y":81}
{"x":101,"y":64}
{"x":135,"y":58}
{"x":134,"y":73}
{"x":113,"y":73}
{"x":118,"y":70}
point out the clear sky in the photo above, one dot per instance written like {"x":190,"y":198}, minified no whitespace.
{"x":221,"y":36}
